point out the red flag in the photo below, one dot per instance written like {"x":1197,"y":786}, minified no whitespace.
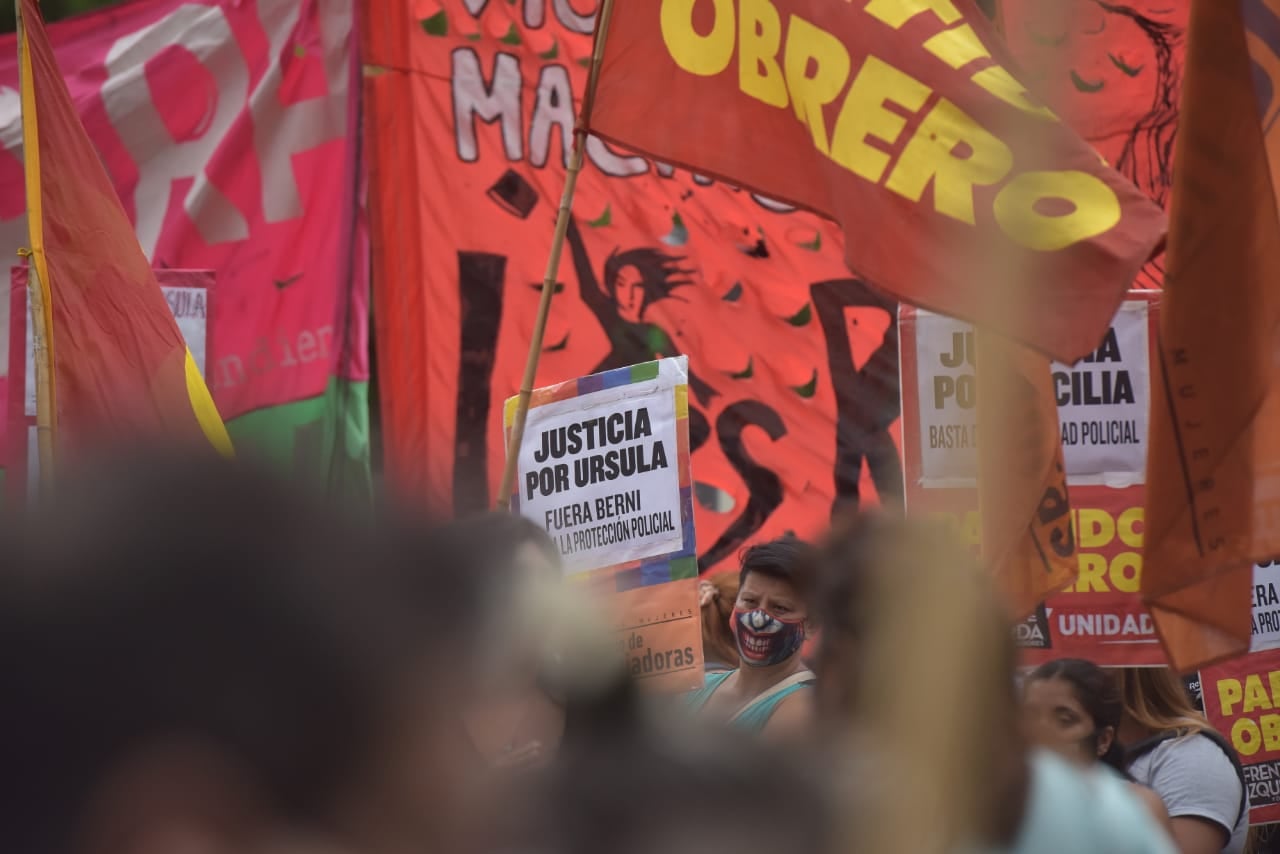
{"x":1213,"y":462}
{"x":1027,"y":537}
{"x":120,"y":366}
{"x":900,"y":120}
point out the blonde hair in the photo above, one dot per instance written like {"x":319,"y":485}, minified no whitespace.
{"x":1156,"y":700}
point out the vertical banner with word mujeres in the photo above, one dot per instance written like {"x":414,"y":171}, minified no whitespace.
{"x":604,"y":468}
{"x":1242,"y":701}
{"x":1102,"y":413}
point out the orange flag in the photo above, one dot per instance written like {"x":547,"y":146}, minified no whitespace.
{"x":902,"y":121}
{"x":1027,"y":538}
{"x":120,"y":367}
{"x":1213,"y":464}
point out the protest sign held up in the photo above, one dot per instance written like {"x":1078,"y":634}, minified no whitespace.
{"x":1102,"y":400}
{"x":1102,"y":411}
{"x":1242,"y":701}
{"x":190,"y":295}
{"x":604,"y":469}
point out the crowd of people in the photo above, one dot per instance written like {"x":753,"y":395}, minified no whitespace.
{"x":201,"y":660}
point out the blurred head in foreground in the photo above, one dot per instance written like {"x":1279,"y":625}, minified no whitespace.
{"x":509,"y":711}
{"x":916,"y":665}
{"x":648,"y":786}
{"x":509,"y":566}
{"x":197,"y":659}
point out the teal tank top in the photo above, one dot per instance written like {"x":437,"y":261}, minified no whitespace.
{"x":755,"y":716}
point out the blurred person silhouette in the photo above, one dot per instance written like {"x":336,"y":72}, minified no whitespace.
{"x":1170,"y":747}
{"x":1073,"y":707}
{"x":640,"y":782}
{"x":716,"y":597}
{"x":196,"y":658}
{"x":771,"y":692}
{"x":930,"y":708}
{"x":512,"y":713}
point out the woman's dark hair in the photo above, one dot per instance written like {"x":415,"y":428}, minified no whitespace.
{"x":787,"y":558}
{"x":660,"y":274}
{"x":1097,"y":692}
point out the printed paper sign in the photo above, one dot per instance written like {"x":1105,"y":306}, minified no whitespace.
{"x":604,"y":468}
{"x":600,"y":469}
{"x":1266,"y":606}
{"x":1102,"y":402}
{"x":1101,"y":616}
{"x":1242,"y":701}
{"x":190,"y":306}
{"x":188,"y":293}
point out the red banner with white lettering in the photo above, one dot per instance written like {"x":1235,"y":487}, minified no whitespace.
{"x":793,"y":403}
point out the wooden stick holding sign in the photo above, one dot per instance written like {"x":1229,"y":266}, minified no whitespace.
{"x":576,"y":158}
{"x":38,"y":284}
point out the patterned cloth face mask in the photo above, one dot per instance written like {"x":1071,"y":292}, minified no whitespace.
{"x":763,"y":639}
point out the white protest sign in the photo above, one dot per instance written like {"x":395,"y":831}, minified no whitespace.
{"x":599,"y":466}
{"x":1102,"y":402}
{"x":1266,"y":606}
{"x":189,"y":305}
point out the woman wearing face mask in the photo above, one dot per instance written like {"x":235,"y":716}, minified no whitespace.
{"x":1073,"y":707}
{"x":772,"y":691}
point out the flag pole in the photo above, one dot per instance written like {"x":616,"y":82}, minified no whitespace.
{"x":37,"y":287}
{"x":576,"y":157}
{"x":44,"y":390}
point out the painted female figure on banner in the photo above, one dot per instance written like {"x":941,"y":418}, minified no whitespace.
{"x":632,"y":281}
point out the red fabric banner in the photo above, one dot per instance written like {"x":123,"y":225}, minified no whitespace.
{"x":903,"y":123}
{"x":121,"y":369}
{"x":229,"y":132}
{"x":1242,"y":701}
{"x":470,"y":110}
{"x":1113,"y":72}
{"x":1214,"y":504}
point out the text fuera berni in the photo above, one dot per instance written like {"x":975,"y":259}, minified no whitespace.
{"x":602,"y":449}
